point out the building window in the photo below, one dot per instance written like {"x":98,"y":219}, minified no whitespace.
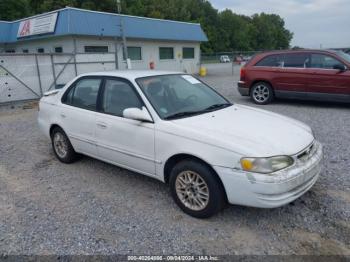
{"x":58,"y":49}
{"x":134,"y":53}
{"x":41,"y":50}
{"x":25,"y":51}
{"x":96,"y":49}
{"x":166,"y":53}
{"x":10,"y":51}
{"x":188,"y":52}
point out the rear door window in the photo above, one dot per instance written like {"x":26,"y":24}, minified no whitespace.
{"x":324,"y":61}
{"x":296,"y":60}
{"x":83,"y":94}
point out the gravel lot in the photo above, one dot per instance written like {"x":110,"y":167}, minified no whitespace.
{"x":91,"y":207}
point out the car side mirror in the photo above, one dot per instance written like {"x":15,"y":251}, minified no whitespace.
{"x":137,"y":114}
{"x":340,"y":67}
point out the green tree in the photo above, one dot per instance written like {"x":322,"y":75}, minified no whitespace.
{"x":235,"y":30}
{"x":226,"y":30}
{"x":271,"y":33}
{"x":41,"y":6}
{"x":13,"y":9}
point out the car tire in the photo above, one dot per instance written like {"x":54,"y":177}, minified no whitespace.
{"x":62,"y":147}
{"x":262,"y":93}
{"x":201,"y":195}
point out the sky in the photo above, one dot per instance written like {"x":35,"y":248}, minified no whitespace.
{"x":315,"y":23}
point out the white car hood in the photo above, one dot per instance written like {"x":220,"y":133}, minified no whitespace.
{"x":247,"y":131}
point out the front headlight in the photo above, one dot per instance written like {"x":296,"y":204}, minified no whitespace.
{"x":266,"y":165}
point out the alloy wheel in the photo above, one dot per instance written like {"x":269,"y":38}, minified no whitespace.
{"x":192,"y":190}
{"x":261,"y":93}
{"x":60,"y":145}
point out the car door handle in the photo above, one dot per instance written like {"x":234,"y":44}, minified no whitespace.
{"x":102,"y":125}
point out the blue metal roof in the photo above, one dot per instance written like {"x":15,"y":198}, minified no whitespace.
{"x":73,"y":21}
{"x":4,"y":31}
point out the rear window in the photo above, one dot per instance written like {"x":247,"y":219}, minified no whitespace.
{"x":271,"y":60}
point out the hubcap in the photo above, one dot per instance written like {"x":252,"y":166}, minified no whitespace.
{"x":261,"y":93}
{"x":60,"y":145}
{"x":192,"y":190}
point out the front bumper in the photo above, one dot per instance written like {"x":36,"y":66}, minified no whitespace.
{"x":242,"y":89}
{"x":274,"y":190}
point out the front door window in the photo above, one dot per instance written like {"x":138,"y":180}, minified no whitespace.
{"x":324,"y":61}
{"x":119,"y":95}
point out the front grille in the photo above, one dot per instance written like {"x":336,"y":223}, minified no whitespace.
{"x":307,"y":153}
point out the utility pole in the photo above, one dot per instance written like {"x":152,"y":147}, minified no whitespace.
{"x":125,"y":49}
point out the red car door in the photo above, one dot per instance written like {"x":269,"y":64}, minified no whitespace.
{"x":292,"y":74}
{"x":326,"y":78}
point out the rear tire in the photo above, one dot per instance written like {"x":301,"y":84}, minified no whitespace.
{"x":62,"y":147}
{"x":262,"y":93}
{"x":196,"y":189}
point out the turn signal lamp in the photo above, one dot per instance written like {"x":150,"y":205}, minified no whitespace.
{"x":247,"y":164}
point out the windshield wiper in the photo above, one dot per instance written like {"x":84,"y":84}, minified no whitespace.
{"x":192,"y":113}
{"x":217,"y":106}
{"x":181,"y":114}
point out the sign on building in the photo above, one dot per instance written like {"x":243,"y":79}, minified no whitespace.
{"x":37,"y":25}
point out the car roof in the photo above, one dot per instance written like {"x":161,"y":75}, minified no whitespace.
{"x":262,"y":55}
{"x":298,"y":51}
{"x":132,"y":74}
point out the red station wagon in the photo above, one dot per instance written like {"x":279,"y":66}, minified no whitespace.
{"x":303,"y":74}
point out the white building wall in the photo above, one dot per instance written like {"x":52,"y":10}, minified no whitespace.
{"x":150,"y":53}
{"x":149,"y":50}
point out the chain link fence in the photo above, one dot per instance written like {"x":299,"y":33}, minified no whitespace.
{"x":224,"y":57}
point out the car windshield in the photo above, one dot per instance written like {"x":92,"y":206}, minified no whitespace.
{"x":345,"y":56}
{"x":178,"y":96}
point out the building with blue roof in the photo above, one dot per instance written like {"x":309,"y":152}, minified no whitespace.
{"x":168,"y":45}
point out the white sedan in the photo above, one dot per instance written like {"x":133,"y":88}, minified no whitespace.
{"x":224,"y":59}
{"x":173,"y":127}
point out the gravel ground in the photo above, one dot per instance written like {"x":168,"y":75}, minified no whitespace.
{"x":91,"y":207}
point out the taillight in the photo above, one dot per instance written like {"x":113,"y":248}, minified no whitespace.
{"x":242,"y":74}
